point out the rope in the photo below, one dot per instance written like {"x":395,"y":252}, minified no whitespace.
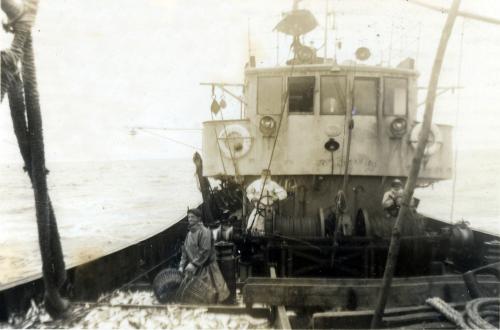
{"x":283,"y":106}
{"x":479,"y":309}
{"x":27,"y":123}
{"x":479,"y":313}
{"x":340,"y":199}
{"x":172,"y":140}
{"x":455,"y":160}
{"x":80,"y":313}
{"x":50,"y":245}
{"x":233,"y":160}
{"x":333,"y":164}
{"x":218,"y":146}
{"x":106,"y":297}
{"x":449,"y":312}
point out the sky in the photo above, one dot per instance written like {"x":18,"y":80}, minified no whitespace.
{"x":106,"y":66}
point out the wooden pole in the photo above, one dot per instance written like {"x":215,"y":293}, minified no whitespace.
{"x":392,"y":255}
{"x":465,"y":14}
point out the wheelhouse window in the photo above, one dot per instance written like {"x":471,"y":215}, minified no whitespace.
{"x":365,"y":96}
{"x":395,"y":96}
{"x":333,"y":95}
{"x":301,"y":94}
{"x":269,"y":93}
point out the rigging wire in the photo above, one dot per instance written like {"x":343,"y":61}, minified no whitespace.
{"x":457,"y":115}
{"x":218,"y":146}
{"x":283,"y":107}
{"x":170,"y":139}
{"x":168,"y":128}
{"x":233,"y":160}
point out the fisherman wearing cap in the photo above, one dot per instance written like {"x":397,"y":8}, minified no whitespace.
{"x":262,"y":193}
{"x":391,"y":202}
{"x":199,"y":256}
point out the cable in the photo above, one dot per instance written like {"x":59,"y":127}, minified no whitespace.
{"x":170,"y":139}
{"x":479,"y":313}
{"x":218,"y":146}
{"x":455,"y":160}
{"x":106,"y":297}
{"x":166,"y":128}
{"x":283,"y":106}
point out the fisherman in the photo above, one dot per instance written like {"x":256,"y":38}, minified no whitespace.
{"x":199,"y":256}
{"x":262,"y":193}
{"x":391,"y":202}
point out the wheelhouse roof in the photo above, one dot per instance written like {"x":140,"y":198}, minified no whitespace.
{"x":331,"y":68}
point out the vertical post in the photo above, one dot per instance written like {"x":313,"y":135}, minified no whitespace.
{"x":248,"y":39}
{"x":277,"y":48}
{"x":204,"y":188}
{"x":326,"y":32}
{"x":415,"y":168}
{"x":390,"y":43}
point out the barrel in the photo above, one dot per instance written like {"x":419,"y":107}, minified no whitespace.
{"x":227,"y":265}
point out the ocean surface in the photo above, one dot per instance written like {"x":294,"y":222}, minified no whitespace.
{"x":103,"y":206}
{"x":477,"y":192}
{"x":100,"y":207}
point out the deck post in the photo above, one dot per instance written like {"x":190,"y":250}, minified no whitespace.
{"x":393,"y":253}
{"x":204,"y":188}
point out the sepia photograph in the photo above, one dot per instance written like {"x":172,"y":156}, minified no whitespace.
{"x":232,"y":164}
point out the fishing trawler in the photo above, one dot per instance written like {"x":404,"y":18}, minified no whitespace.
{"x":335,"y":136}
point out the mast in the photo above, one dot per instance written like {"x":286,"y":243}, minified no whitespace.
{"x":393,"y":253}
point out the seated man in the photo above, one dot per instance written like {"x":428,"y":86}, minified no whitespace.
{"x":262,"y":193}
{"x":391,"y":202}
{"x":199,"y":256}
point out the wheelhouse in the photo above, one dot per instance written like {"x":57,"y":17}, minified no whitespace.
{"x":303,"y":107}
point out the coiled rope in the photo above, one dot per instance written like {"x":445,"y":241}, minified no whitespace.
{"x":27,"y":121}
{"x":480,"y":313}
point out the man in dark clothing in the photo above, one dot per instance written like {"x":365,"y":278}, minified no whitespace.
{"x":199,"y":257}
{"x":391,"y":202}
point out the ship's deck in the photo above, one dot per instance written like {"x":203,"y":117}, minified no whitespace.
{"x":99,"y":210}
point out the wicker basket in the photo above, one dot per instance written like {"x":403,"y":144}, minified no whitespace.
{"x":197,"y":290}
{"x":166,"y":283}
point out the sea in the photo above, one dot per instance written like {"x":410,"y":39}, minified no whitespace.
{"x":472,"y":196}
{"x":159,"y":190}
{"x":101,"y":207}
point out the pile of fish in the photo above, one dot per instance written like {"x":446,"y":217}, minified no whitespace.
{"x":170,"y":317}
{"x":132,"y":298}
{"x":36,"y":314}
{"x":135,"y":310}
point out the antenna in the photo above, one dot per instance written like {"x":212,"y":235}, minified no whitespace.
{"x":277,"y":48}
{"x":326,"y":32}
{"x":335,"y":35}
{"x":248,"y":37}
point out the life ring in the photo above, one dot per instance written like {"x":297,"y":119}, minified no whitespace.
{"x":434,"y":141}
{"x":235,"y":141}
